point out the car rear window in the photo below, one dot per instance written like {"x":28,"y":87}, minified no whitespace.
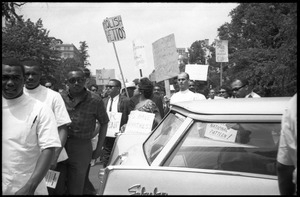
{"x":240,"y":147}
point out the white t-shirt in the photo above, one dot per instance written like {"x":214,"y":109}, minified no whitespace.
{"x":56,"y":103}
{"x":27,"y":129}
{"x":186,"y":95}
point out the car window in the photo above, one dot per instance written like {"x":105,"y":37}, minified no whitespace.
{"x":159,"y":138}
{"x":242,"y":147}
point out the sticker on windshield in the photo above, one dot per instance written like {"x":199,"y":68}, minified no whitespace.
{"x":220,"y":132}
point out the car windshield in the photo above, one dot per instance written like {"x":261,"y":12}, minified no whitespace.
{"x":242,"y":147}
{"x":162,"y":135}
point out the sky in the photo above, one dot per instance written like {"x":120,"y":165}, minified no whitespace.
{"x":147,"y":22}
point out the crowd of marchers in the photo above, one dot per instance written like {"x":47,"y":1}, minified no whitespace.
{"x":67,"y":131}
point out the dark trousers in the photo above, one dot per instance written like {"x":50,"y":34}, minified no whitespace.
{"x":60,"y":188}
{"x":80,"y":154}
{"x":88,"y":186}
{"x":108,"y":146}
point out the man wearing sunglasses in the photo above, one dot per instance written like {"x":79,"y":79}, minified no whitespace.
{"x":115,"y":102}
{"x":242,"y":89}
{"x":84,"y":109}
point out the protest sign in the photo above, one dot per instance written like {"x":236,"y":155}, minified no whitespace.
{"x":139,"y":54}
{"x":104,"y":75}
{"x":114,"y":29}
{"x":139,"y":122}
{"x":221,"y":50}
{"x":114,"y":123}
{"x":197,"y":71}
{"x":51,"y":178}
{"x":220,"y":132}
{"x":165,"y":58}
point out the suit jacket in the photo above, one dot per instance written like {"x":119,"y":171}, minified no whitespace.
{"x":123,"y":107}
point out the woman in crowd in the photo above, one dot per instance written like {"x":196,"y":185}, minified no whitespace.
{"x":141,"y":100}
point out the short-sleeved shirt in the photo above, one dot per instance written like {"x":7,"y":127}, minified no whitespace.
{"x":186,"y":95}
{"x":28,"y":127}
{"x":84,"y":114}
{"x":287,"y":151}
{"x":147,"y":106}
{"x":54,"y":100}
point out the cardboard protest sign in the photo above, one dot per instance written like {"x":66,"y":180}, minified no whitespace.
{"x":139,"y":54}
{"x":51,"y":178}
{"x":220,"y":132}
{"x":114,"y":29}
{"x":197,"y":71}
{"x":114,"y":123}
{"x":139,"y":122}
{"x":165,"y":58}
{"x":221,"y":50}
{"x":104,"y":75}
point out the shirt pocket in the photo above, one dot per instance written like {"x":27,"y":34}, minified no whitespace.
{"x":30,"y":135}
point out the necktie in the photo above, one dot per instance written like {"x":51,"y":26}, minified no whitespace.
{"x":111,"y":101}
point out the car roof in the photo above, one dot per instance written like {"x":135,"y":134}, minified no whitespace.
{"x":263,"y":105}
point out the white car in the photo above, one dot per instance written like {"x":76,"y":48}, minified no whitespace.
{"x":206,"y":147}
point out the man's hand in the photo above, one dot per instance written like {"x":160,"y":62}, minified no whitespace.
{"x":97,"y":153}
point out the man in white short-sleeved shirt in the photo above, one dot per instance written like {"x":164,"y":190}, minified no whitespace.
{"x":50,"y":97}
{"x":287,"y":151}
{"x":184,"y":93}
{"x":54,"y":100}
{"x":29,"y":135}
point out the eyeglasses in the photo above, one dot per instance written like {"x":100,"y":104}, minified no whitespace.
{"x":221,"y":92}
{"x":237,"y":89}
{"x":110,"y":86}
{"x":73,"y":80}
{"x":94,"y":90}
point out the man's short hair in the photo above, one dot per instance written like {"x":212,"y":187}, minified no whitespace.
{"x":187,"y":75}
{"x":75,"y":69}
{"x":13,"y":62}
{"x":31,"y":63}
{"x":118,"y":83}
{"x":244,"y":81}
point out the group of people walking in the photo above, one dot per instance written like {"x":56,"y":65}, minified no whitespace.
{"x":44,"y":129}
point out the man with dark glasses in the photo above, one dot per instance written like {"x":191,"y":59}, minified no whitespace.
{"x":84,"y":109}
{"x":115,"y":102}
{"x":242,"y":89}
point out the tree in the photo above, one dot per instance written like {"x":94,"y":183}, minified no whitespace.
{"x":9,"y":13}
{"x":27,"y":40}
{"x":262,"y":41}
{"x":197,"y":53}
{"x":84,"y":53}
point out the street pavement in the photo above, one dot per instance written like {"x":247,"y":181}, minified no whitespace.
{"x":93,"y":176}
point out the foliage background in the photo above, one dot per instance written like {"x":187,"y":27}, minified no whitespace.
{"x":262,"y":47}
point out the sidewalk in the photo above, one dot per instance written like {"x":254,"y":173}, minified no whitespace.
{"x":93,"y":176}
